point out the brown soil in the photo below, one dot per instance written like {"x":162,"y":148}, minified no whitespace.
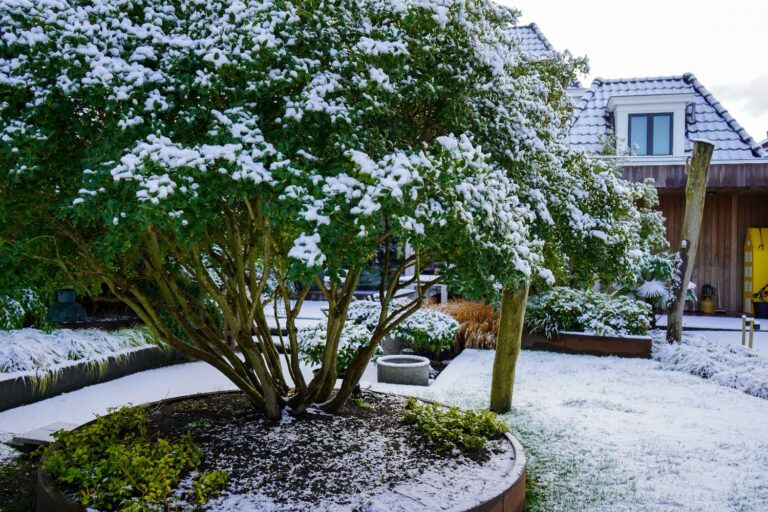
{"x":305,"y":462}
{"x":17,"y":483}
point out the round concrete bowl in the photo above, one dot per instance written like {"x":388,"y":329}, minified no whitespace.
{"x":403,"y":369}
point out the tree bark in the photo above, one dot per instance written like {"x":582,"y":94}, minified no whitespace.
{"x":697,"y":169}
{"x":508,"y":343}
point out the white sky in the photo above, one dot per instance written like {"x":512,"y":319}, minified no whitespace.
{"x":725,"y":44}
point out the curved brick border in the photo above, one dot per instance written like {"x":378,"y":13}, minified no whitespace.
{"x":50,"y":499}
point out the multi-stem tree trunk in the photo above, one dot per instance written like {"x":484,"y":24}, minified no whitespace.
{"x":186,"y":295}
{"x":695,"y":194}
{"x":508,"y":343}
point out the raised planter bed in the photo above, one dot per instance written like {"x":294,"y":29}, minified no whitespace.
{"x":26,"y":389}
{"x":591,"y":344}
{"x":495,"y":484}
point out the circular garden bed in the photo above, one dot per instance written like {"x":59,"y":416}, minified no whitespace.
{"x":376,"y":454}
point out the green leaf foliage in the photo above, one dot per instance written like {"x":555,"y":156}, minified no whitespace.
{"x":568,"y":309}
{"x":114,"y":463}
{"x":175,"y":155}
{"x":449,"y":428}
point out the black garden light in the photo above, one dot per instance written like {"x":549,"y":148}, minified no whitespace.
{"x":66,"y":309}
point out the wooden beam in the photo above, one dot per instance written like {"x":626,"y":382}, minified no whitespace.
{"x":735,"y":281}
{"x":695,"y":197}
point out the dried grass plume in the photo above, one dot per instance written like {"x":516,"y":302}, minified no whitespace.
{"x":478,"y":322}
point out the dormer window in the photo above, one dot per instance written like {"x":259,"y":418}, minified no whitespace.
{"x":650,"y":134}
{"x":650,"y":127}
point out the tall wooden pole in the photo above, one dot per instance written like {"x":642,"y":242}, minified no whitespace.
{"x":508,"y":341}
{"x":697,"y":169}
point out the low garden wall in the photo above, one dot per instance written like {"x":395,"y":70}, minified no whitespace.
{"x":590,"y":344}
{"x":26,"y":389}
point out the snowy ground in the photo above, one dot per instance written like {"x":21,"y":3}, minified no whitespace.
{"x":733,"y":338}
{"x":620,"y":434}
{"x":601,"y":434}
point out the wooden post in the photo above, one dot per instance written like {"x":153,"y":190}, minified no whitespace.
{"x":508,"y":343}
{"x":697,"y":170}
{"x":743,"y":330}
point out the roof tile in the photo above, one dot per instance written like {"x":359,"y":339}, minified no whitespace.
{"x":712,"y":121}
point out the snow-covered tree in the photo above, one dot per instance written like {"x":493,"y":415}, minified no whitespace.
{"x":181,"y":153}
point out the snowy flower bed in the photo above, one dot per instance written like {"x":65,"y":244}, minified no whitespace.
{"x":732,"y":366}
{"x":566,"y":309}
{"x":26,"y":351}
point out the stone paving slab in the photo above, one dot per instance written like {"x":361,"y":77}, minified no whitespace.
{"x":42,"y":435}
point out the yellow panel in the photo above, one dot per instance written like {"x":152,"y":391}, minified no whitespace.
{"x":755,"y":264}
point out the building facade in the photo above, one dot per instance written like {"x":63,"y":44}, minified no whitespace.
{"x":648,"y":125}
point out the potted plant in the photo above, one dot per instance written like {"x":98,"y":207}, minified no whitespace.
{"x":760,"y":302}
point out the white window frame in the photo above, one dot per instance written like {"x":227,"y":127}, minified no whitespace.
{"x":622,"y":106}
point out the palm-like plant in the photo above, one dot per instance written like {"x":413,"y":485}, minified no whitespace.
{"x":654,"y":283}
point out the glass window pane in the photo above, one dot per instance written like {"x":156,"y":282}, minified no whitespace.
{"x":662,"y":126}
{"x":638,"y":135}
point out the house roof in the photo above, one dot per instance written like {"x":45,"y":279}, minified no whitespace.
{"x":532,"y":41}
{"x":590,"y":130}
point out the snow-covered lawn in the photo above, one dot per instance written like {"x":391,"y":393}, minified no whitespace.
{"x":601,"y":434}
{"x":623,"y":434}
{"x":26,"y":351}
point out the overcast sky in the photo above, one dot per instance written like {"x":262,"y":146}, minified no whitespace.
{"x":725,"y":44}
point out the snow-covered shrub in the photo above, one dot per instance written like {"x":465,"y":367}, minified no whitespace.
{"x":32,"y":350}
{"x":186,"y":143}
{"x":312,"y":344}
{"x":729,"y":365}
{"x":427,"y":331}
{"x":21,"y":309}
{"x":365,"y":312}
{"x":567,"y":309}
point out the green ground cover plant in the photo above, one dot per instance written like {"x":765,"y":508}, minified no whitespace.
{"x":449,"y":428}
{"x":114,"y":463}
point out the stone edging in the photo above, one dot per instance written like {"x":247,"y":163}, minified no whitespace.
{"x":49,"y":499}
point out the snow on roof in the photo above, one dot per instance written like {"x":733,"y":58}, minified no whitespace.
{"x":532,"y":41}
{"x":589,"y":127}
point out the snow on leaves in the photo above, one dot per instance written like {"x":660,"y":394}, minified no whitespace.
{"x":416,"y":116}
